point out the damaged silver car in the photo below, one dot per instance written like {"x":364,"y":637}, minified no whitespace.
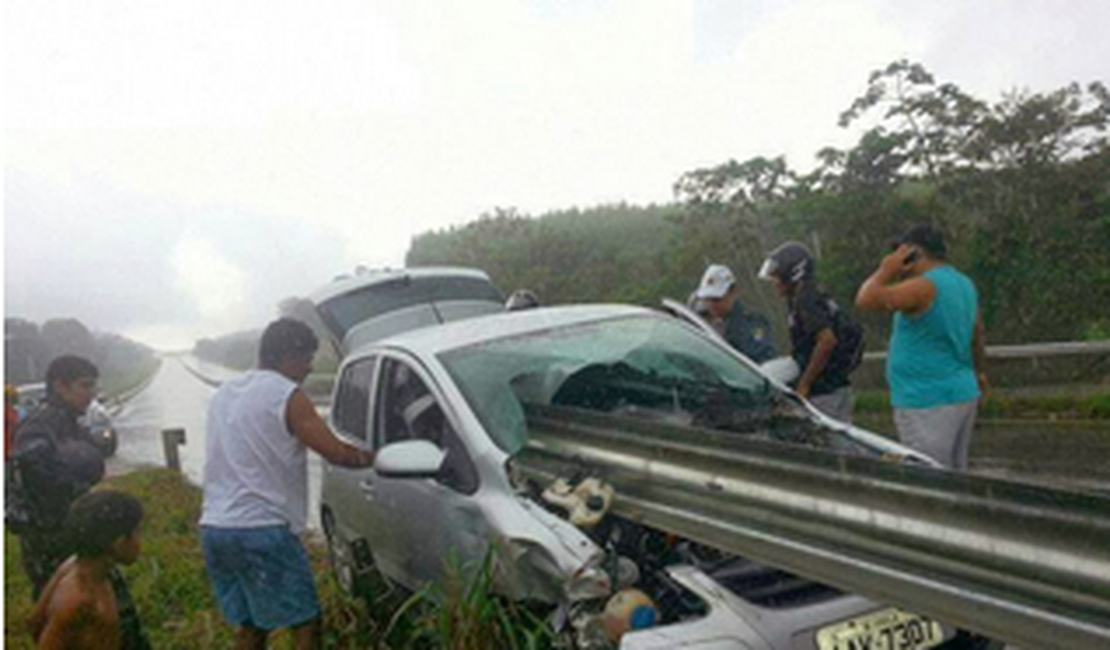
{"x":450,"y":410}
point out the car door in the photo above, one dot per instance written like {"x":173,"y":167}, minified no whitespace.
{"x":343,"y":490}
{"x":429,"y":524}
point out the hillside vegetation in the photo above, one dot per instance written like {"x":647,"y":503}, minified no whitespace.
{"x":29,"y":348}
{"x":1021,"y":187}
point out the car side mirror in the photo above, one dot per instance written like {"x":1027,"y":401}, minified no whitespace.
{"x":409,"y":459}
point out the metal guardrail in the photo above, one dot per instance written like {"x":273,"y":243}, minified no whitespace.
{"x":1019,"y":563}
{"x":1031,"y":350}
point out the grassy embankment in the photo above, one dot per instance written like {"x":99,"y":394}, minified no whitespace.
{"x":118,"y":384}
{"x":175,"y":601}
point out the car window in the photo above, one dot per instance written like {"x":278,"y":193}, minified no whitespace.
{"x":408,"y":410}
{"x":352,"y":401}
{"x":343,"y":312}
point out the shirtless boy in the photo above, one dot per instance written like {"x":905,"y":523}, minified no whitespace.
{"x":86,"y":604}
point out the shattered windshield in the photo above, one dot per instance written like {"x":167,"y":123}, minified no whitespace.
{"x":644,"y":367}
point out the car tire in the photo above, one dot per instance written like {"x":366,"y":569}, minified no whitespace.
{"x":349,"y":573}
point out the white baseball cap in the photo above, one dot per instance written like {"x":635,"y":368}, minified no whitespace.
{"x":716,"y":282}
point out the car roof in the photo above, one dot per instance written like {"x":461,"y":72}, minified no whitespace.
{"x":460,"y":334}
{"x":344,"y":285}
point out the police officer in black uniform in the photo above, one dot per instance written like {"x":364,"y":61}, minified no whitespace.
{"x":57,"y":461}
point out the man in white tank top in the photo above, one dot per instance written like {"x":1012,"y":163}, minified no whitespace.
{"x":256,"y":490}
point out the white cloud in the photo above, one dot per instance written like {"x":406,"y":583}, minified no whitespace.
{"x":167,"y":337}
{"x":216,"y":286}
{"x":804,"y":65}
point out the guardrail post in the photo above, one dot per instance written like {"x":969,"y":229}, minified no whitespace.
{"x":171,"y":440}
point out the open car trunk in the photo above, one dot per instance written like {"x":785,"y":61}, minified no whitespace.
{"x":378,"y":305}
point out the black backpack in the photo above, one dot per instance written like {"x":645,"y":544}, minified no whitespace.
{"x":849,"y":337}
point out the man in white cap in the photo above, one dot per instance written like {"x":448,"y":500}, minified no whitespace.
{"x":717,"y":300}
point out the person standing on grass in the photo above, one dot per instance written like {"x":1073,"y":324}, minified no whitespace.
{"x":56,"y":461}
{"x":256,"y":490}
{"x":935,"y":365}
{"x":86,"y":605}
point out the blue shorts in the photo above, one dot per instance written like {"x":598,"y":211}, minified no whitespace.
{"x":261,"y":576}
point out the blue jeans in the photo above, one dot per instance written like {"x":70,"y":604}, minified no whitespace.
{"x":261,"y":576}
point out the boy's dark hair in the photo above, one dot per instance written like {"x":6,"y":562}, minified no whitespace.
{"x":97,"y":519}
{"x":285,"y":338}
{"x":68,"y":368}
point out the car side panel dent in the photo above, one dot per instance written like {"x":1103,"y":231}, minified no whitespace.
{"x":538,"y":556}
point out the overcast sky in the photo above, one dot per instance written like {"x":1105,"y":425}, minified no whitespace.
{"x":172,"y":169}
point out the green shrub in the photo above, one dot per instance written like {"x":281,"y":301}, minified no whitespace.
{"x":1003,"y":405}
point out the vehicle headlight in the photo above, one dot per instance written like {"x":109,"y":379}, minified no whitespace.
{"x":588,"y":583}
{"x":533,"y":571}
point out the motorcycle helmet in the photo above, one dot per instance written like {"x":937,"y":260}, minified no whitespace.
{"x":522,"y":299}
{"x":791,"y":263}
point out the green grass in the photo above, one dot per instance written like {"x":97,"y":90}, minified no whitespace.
{"x":1001,"y":405}
{"x":175,"y":601}
{"x":463,"y":614}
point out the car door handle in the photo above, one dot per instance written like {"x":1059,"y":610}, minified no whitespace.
{"x":367,"y":487}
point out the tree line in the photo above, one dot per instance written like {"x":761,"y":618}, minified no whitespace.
{"x":239,"y":350}
{"x":29,"y":348}
{"x":1020,"y":186}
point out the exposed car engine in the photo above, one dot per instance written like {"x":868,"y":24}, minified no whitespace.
{"x":637,"y":559}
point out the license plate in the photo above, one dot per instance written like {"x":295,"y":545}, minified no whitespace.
{"x":890,"y":629}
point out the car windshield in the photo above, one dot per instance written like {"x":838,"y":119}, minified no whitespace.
{"x":645,"y":367}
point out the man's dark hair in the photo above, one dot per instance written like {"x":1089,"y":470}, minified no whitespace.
{"x":928,"y":239}
{"x":285,"y":338}
{"x":68,"y":368}
{"x":97,"y":519}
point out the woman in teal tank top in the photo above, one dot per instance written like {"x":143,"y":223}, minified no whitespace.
{"x":930,"y":361}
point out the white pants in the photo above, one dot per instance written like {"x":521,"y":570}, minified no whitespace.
{"x":943,"y":433}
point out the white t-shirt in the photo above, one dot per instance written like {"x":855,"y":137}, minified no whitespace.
{"x":255,"y":469}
